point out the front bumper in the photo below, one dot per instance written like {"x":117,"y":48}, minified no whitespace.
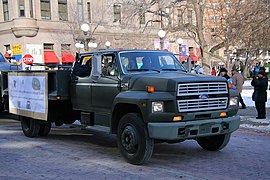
{"x":193,"y":129}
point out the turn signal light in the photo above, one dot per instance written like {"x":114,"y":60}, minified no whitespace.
{"x":57,"y":97}
{"x":223,"y":114}
{"x":177,"y":118}
{"x":150,"y":89}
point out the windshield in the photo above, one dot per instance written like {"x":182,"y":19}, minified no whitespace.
{"x":134,"y":61}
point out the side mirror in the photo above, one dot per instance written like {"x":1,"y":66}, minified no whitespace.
{"x":96,"y":68}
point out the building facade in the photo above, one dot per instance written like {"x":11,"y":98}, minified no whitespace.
{"x":49,"y":29}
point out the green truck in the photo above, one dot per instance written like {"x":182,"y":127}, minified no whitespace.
{"x":141,"y":96}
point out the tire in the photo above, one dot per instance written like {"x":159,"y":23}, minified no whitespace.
{"x":29,"y":126}
{"x":214,"y":143}
{"x":45,"y":129}
{"x":133,"y":140}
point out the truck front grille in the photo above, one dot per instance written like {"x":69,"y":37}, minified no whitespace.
{"x":202,"y":96}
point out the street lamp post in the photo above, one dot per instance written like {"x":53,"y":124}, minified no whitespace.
{"x":188,"y":62}
{"x":180,"y":41}
{"x":107,"y":44}
{"x":92,"y":45}
{"x":85,"y":28}
{"x":161,"y":34}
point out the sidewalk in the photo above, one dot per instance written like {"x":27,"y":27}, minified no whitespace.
{"x":248,"y":116}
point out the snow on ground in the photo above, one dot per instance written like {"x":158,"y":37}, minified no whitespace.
{"x":247,"y":94}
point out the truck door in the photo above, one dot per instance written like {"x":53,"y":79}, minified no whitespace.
{"x":107,"y":86}
{"x":81,"y":87}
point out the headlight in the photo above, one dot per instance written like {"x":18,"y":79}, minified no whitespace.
{"x":157,"y":107}
{"x":233,"y":101}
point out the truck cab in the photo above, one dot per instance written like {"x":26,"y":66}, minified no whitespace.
{"x":155,"y":88}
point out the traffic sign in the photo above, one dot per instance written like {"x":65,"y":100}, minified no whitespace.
{"x":28,"y":59}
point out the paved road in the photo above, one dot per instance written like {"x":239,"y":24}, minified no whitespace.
{"x":69,"y":153}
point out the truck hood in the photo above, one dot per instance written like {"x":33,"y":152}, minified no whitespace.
{"x":166,"y":81}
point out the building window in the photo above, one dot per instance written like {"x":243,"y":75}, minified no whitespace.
{"x":45,"y":8}
{"x":7,"y":47}
{"x":89,"y":12}
{"x":21,"y":8}
{"x":214,"y":18}
{"x":189,"y":16}
{"x":228,"y":5}
{"x":31,"y":8}
{"x":215,"y":6}
{"x":214,"y":29}
{"x":80,"y":10}
{"x":179,"y":16}
{"x":117,"y":12}
{"x":5,"y":10}
{"x":65,"y":47}
{"x":48,"y":46}
{"x":62,"y":10}
{"x":142,"y":17}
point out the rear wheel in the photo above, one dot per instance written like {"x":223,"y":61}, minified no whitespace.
{"x":45,"y":129}
{"x":29,"y":126}
{"x":214,"y":143}
{"x":133,"y":140}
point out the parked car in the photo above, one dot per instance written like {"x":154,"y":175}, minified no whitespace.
{"x":5,"y":65}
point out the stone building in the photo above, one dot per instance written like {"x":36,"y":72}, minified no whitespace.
{"x":49,"y":29}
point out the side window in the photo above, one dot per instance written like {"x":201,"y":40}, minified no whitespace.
{"x":109,"y":65}
{"x":83,"y":67}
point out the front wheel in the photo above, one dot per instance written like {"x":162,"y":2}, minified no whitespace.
{"x":133,"y":140}
{"x":214,"y":143}
{"x":29,"y":126}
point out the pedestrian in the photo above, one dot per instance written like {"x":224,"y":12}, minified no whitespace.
{"x":192,"y":70}
{"x":238,"y":81}
{"x":250,"y":71}
{"x":260,"y":84}
{"x":256,"y":69}
{"x":223,"y":72}
{"x":213,"y":72}
{"x":199,"y":70}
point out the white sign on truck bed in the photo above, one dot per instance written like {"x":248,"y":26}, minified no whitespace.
{"x":28,"y":94}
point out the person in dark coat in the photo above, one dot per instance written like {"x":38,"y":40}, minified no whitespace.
{"x":260,"y":83}
{"x":223,"y":72}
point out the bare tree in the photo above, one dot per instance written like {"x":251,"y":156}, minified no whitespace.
{"x":237,"y":25}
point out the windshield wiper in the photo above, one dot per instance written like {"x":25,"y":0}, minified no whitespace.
{"x":169,"y":69}
{"x":138,"y":69}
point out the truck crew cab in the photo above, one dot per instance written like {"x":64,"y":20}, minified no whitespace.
{"x":141,"y":96}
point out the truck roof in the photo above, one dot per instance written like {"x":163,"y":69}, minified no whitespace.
{"x":123,"y":50}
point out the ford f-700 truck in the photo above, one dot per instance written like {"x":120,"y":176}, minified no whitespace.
{"x":142,"y":96}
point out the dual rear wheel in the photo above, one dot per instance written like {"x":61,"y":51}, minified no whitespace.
{"x":33,"y":127}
